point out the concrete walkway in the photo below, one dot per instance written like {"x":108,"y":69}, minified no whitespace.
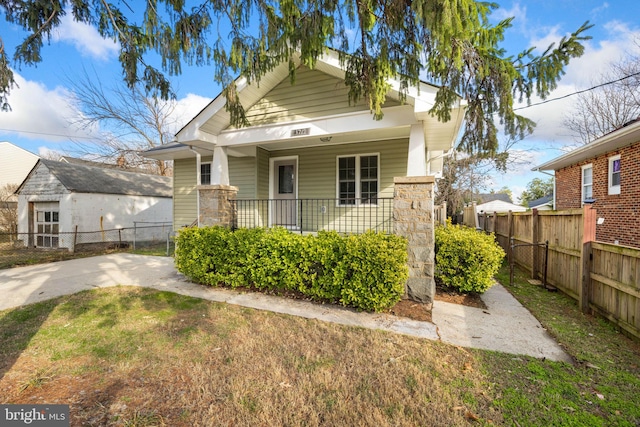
{"x":505,"y":326}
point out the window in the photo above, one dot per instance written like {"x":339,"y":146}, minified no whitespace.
{"x":614,"y":174}
{"x":205,"y":173}
{"x":358,"y":179}
{"x":587,"y":182}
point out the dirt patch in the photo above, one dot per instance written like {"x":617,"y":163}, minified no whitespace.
{"x":411,"y":309}
{"x":455,"y":297}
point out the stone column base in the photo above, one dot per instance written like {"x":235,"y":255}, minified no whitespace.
{"x":413,"y":219}
{"x":215,"y":205}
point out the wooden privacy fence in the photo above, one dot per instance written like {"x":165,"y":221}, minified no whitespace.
{"x":602,"y":277}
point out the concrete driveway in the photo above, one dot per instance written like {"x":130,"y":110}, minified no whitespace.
{"x":505,"y":326}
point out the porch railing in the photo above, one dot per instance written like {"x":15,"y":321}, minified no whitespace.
{"x":312,"y":215}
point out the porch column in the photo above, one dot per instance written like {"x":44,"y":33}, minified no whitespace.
{"x":417,"y":158}
{"x":217,"y":205}
{"x":413,"y":218}
{"x":220,"y":166}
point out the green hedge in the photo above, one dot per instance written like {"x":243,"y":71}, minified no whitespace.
{"x":366,"y":271}
{"x":466,"y":259}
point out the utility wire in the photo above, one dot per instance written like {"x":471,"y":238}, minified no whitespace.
{"x":48,"y":134}
{"x":578,"y":92}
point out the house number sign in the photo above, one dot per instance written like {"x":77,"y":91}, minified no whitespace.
{"x":300,"y":132}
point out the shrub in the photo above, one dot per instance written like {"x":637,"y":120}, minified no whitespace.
{"x":366,"y":271}
{"x":466,"y":259}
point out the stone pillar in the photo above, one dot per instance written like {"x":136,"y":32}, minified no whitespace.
{"x":413,"y":219}
{"x":216,"y":207}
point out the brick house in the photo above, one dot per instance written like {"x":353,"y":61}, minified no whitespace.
{"x":604,"y":172}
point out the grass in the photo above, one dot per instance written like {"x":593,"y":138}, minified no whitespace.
{"x":139,"y":357}
{"x":130,"y":356}
{"x":602,"y":388}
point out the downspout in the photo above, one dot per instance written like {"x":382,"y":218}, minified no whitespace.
{"x":198,"y":183}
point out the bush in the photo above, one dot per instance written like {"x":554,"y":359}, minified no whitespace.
{"x":366,"y":271}
{"x":466,"y":259}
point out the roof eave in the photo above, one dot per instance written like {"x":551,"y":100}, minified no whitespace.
{"x":612,"y":141}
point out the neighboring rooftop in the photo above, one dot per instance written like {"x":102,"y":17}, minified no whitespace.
{"x":626,"y":135}
{"x":489,"y":197}
{"x":546,"y":200}
{"x":91,"y":179}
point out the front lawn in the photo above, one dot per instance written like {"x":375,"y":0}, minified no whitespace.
{"x":129,"y":356}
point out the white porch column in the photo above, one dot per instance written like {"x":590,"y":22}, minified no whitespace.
{"x":417,"y":158}
{"x":220,"y":167}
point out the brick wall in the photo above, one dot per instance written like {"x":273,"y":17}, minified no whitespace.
{"x":621,"y":212}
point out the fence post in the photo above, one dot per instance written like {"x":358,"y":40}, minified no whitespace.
{"x":588,"y":235}
{"x":75,"y":240}
{"x":134,"y":235}
{"x":510,"y":233}
{"x":535,"y":231}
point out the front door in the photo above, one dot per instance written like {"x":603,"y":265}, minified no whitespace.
{"x":285,"y":188}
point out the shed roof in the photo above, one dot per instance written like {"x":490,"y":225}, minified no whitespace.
{"x":91,"y":179}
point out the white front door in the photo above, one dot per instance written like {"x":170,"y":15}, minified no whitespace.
{"x":284,"y":182}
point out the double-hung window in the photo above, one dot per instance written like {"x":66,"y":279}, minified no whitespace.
{"x":587,"y":182}
{"x":205,"y":173}
{"x":614,"y":174}
{"x":358,"y":179}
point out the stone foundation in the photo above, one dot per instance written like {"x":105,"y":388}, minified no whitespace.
{"x":413,"y":218}
{"x":216,"y":207}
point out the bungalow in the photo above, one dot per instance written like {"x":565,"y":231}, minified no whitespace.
{"x":309,"y":159}
{"x":604,"y":173}
{"x":57,"y":199}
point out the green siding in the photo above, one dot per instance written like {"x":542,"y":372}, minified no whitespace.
{"x":317,"y":165}
{"x":314,"y":94}
{"x":184,"y":193}
{"x":242,"y":174}
{"x":263,"y":174}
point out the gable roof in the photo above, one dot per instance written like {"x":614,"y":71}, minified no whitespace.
{"x":78,"y":161}
{"x":211,"y":125}
{"x":627,"y":135}
{"x":91,"y":179}
{"x":488,"y":197}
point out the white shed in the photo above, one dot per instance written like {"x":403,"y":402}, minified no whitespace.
{"x":58,"y":199}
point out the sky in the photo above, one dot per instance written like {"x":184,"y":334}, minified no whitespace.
{"x":43,"y":110}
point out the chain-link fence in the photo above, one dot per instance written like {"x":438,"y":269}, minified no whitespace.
{"x":51,"y":245}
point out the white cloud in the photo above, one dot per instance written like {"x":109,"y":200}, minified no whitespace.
{"x":187,"y":108}
{"x":518,"y":12}
{"x":38,"y":112}
{"x":581,"y":73}
{"x":85,"y":39}
{"x":598,"y":10}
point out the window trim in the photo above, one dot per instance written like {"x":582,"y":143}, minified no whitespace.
{"x":582,"y":184}
{"x":210,"y":166}
{"x":613,"y":189}
{"x":358,"y":180}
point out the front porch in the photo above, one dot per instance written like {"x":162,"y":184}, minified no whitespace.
{"x":313,"y":215}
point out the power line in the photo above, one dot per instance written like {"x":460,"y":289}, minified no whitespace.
{"x":47,"y":134}
{"x":578,"y":92}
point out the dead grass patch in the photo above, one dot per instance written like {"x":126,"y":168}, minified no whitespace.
{"x":130,"y":356}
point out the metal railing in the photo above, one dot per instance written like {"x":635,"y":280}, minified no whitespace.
{"x":312,"y":215}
